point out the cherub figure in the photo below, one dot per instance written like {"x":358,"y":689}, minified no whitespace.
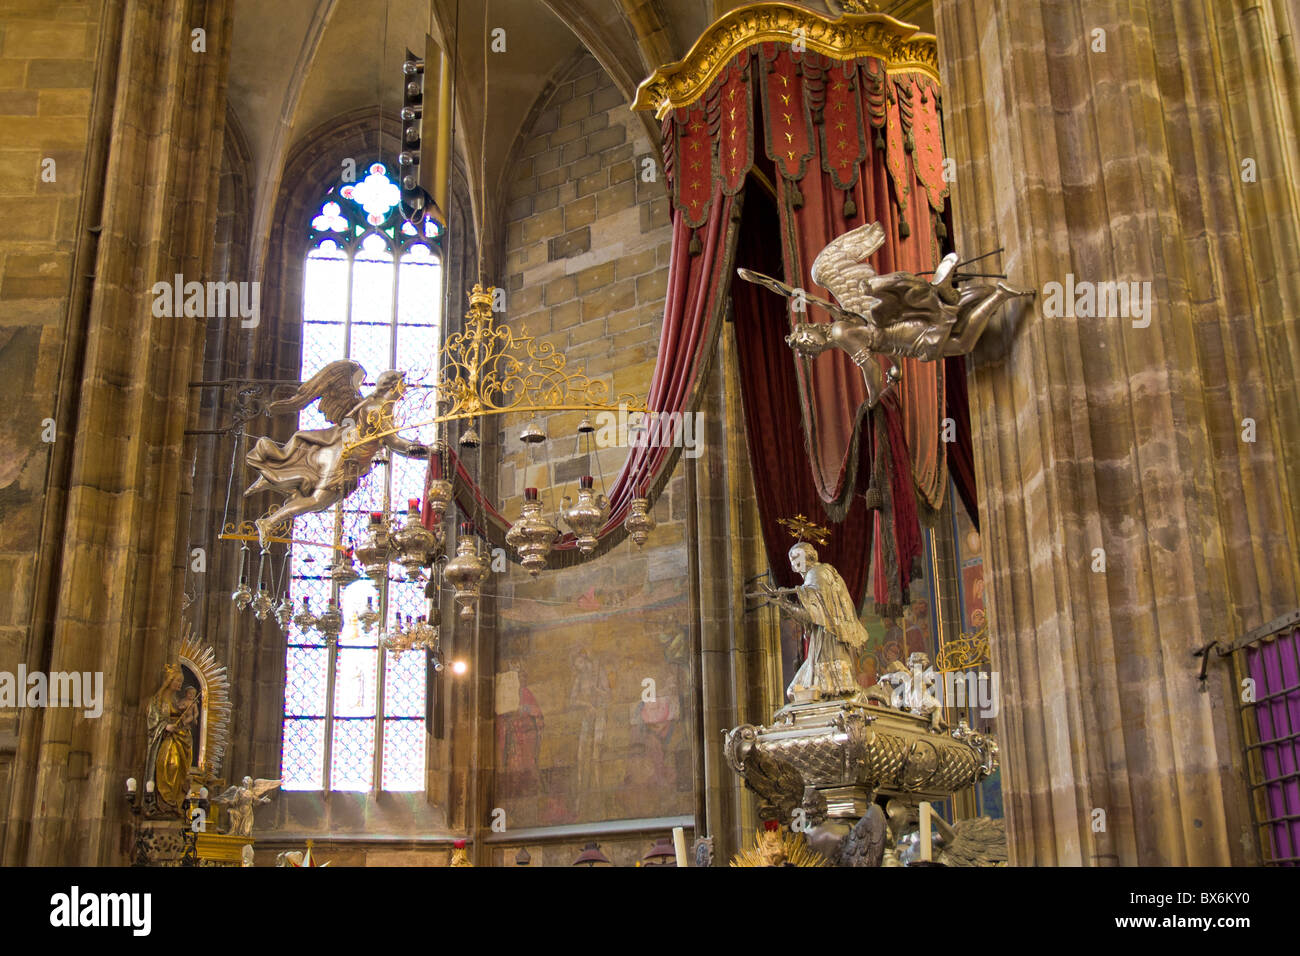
{"x":318,"y":467}
{"x":898,"y":313}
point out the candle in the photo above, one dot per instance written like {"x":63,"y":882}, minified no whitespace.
{"x":679,"y":844}
{"x":148,"y":786}
{"x":130,"y":784}
{"x":925,"y":831}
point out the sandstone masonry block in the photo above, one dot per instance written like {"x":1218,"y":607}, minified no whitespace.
{"x":592,"y":183}
{"x":606,"y":138}
{"x":595,"y":277}
{"x":570,"y":244}
{"x":560,"y":290}
{"x":580,"y":212}
{"x":615,"y":297}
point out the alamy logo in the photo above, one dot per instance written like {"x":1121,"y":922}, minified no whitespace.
{"x":1102,"y":300}
{"x":683,"y":430}
{"x":957,"y":689}
{"x":74,"y":909}
{"x":208,"y":300}
{"x":81,"y":690}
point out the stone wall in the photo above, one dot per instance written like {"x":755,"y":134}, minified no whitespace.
{"x":47,"y":71}
{"x":47,"y":58}
{"x":593,"y":711}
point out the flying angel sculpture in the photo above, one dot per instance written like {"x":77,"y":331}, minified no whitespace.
{"x":318,"y":467}
{"x":898,"y":313}
{"x":241,"y":799}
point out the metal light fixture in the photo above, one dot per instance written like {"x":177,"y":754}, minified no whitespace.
{"x":587,"y":515}
{"x":532,"y":433}
{"x":465,"y":573}
{"x":374,"y":551}
{"x":640,"y":520}
{"x":330,"y":622}
{"x":413,"y":543}
{"x":532,"y":535}
{"x":591,"y":856}
{"x":284,"y":613}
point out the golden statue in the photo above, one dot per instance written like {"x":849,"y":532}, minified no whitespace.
{"x":171,"y":716}
{"x":319,"y":467}
{"x":898,"y":313}
{"x":459,"y":855}
{"x":774,"y":846}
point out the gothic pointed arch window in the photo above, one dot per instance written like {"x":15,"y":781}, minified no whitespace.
{"x":354,"y":713}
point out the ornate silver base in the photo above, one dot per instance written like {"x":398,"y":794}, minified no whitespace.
{"x":830,"y":758}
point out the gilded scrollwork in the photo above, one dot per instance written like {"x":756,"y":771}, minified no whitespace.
{"x":488,"y":369}
{"x":964,"y":653}
{"x":898,"y":45}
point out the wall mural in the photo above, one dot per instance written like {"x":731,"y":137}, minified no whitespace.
{"x":589,"y":703}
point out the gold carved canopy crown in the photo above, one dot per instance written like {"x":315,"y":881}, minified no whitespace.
{"x":899,"y":46}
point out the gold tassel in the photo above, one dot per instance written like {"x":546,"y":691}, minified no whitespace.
{"x":904,"y":230}
{"x":850,"y":207}
{"x":796,"y":197}
{"x":880,"y":139}
{"x":696,"y":247}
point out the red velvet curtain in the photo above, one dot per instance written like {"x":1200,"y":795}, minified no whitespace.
{"x":697,"y":283}
{"x":846,"y":143}
{"x":888,"y":540}
{"x":852,"y":145}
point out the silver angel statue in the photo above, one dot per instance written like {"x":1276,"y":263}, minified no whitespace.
{"x":241,"y":799}
{"x":898,"y":313}
{"x":824,"y":606}
{"x":318,"y":467}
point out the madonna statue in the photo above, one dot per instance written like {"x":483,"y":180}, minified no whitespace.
{"x":171,"y":717}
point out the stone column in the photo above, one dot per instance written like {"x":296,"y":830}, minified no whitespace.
{"x":110,"y":563}
{"x":1097,"y":140}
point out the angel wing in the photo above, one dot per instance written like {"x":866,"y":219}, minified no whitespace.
{"x":337,"y":385}
{"x":780,"y":288}
{"x":864,"y":845}
{"x":262,"y":787}
{"x":978,"y":841}
{"x":840,"y":267}
{"x":228,"y":795}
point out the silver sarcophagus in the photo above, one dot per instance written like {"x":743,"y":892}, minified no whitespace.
{"x":832,"y":757}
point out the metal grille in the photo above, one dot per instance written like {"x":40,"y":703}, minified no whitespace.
{"x":1266,"y":666}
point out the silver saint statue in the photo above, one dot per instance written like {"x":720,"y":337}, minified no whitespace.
{"x":318,"y":467}
{"x":823,"y":605}
{"x":898,"y":313}
{"x":241,"y":800}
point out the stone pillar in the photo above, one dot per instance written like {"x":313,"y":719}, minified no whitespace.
{"x":1112,"y":438}
{"x":110,"y":564}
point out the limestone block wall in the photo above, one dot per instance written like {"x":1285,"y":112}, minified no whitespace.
{"x":592,"y":710}
{"x":47,"y":70}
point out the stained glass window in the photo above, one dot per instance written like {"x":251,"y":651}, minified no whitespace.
{"x":354,"y":715}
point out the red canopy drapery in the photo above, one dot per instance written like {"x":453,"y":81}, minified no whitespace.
{"x":849,"y":138}
{"x":696,"y":298}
